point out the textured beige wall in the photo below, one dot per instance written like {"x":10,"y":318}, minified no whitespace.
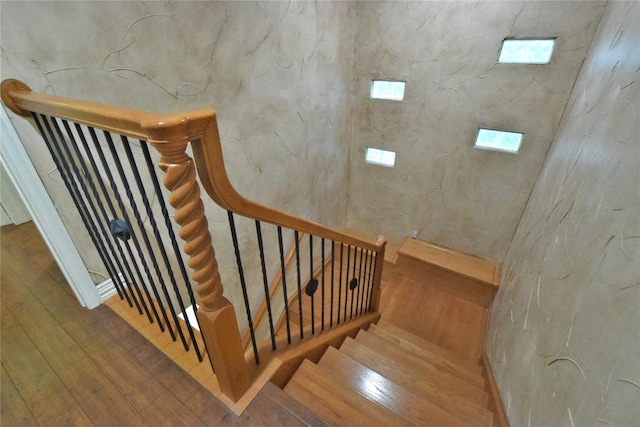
{"x":467,"y":199}
{"x":565,"y":336}
{"x":278,"y":74}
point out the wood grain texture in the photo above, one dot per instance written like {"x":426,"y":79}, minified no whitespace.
{"x":466,"y":385}
{"x":442,"y":364}
{"x":385,"y":392}
{"x":64,"y":365}
{"x":472,"y":411}
{"x":274,"y":407}
{"x":466,"y":265}
{"x":335,"y":402}
{"x":200,"y":127}
{"x":392,"y":332}
{"x":452,"y":323}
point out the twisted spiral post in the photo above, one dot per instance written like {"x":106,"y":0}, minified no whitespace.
{"x":216,"y":314}
{"x":185,"y":198}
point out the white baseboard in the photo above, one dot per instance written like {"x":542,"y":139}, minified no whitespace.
{"x":107,"y":289}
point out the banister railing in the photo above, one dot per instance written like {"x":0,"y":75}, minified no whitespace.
{"x":170,"y":135}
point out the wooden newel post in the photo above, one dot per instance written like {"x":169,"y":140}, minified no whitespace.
{"x":216,"y":314}
{"x":377,"y":275}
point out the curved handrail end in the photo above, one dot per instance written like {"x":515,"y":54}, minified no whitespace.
{"x":13,"y":85}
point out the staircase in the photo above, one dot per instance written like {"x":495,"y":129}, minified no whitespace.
{"x":387,"y":375}
{"x":418,"y":365}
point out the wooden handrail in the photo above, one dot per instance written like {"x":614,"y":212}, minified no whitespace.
{"x":198,"y":127}
{"x":170,"y":135}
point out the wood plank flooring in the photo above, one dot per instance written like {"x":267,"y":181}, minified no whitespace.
{"x":63,"y":365}
{"x":451,"y":322}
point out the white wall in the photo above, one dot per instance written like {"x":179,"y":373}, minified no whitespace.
{"x":564,"y":343}
{"x":278,"y":74}
{"x":452,"y":194}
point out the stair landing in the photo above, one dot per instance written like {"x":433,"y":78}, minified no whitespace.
{"x":450,"y":322}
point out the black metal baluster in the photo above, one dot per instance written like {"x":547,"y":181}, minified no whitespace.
{"x":314,"y":284}
{"x":65,"y":174}
{"x":340,"y":283}
{"x":299,"y":283}
{"x":134,"y":236}
{"x":125,"y":243}
{"x":265,"y":281}
{"x":126,"y":272}
{"x":177,"y":252}
{"x":150,"y":216}
{"x":333,"y":259}
{"x":359,"y":282}
{"x":102,"y":250}
{"x":353,"y":284}
{"x":243,"y":284}
{"x":322,"y":243}
{"x":113,"y":273}
{"x":346,"y":284}
{"x":284,"y":284}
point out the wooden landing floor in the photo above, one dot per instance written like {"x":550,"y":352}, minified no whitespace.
{"x":63,"y":365}
{"x":448,"y":321}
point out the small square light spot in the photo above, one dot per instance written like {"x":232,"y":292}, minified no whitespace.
{"x":387,"y":89}
{"x":380,"y":157}
{"x":526,"y":51}
{"x":498,"y":140}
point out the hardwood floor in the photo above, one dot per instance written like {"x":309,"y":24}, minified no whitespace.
{"x":439,"y":317}
{"x":63,"y":365}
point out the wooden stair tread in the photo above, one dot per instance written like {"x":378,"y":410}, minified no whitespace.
{"x":470,"y":266}
{"x":272,"y":406}
{"x":444,"y":363}
{"x":385,"y":392}
{"x":449,"y":321}
{"x":392,"y":331}
{"x":335,"y":402}
{"x":471,"y":409}
{"x":463,"y":384}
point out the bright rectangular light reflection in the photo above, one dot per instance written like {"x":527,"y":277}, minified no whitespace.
{"x":386,"y":89}
{"x":380,"y":157}
{"x":526,"y":51}
{"x":498,"y":140}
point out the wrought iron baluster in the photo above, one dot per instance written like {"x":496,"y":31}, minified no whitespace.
{"x":284,"y":285}
{"x":333,"y":259}
{"x":299,"y":283}
{"x":265,"y":281}
{"x":176,"y":250}
{"x":115,"y":248}
{"x":322,"y":244}
{"x":243,"y":284}
{"x":150,"y":216}
{"x":92,"y":202}
{"x":340,"y":283}
{"x":125,"y":243}
{"x":314,"y":284}
{"x":346,"y":284}
{"x":359,"y":282}
{"x":134,"y":236}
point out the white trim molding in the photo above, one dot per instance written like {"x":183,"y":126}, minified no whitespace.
{"x":24,"y":177}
